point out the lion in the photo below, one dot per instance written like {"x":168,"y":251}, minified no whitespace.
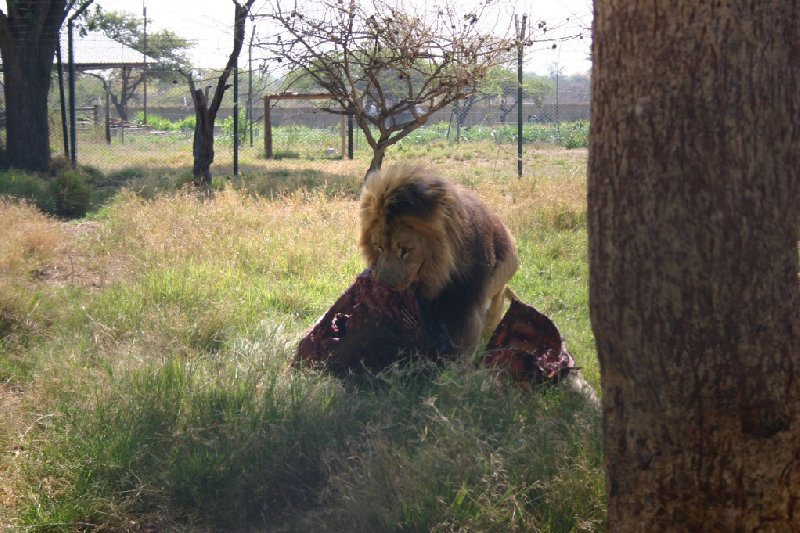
{"x":423,"y":232}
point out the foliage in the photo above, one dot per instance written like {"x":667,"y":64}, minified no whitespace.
{"x":164,"y":124}
{"x":393,"y":68}
{"x":166,"y":47}
{"x":71,"y":193}
{"x":29,"y":187}
{"x":243,"y":124}
{"x":500,"y":84}
{"x":566,"y":134}
{"x":67,"y":194}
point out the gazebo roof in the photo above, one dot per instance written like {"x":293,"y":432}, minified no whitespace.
{"x":98,"y":51}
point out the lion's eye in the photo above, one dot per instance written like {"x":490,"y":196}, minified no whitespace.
{"x":405,"y":252}
{"x":378,"y":248}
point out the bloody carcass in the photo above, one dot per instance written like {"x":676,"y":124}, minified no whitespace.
{"x":371,"y":326}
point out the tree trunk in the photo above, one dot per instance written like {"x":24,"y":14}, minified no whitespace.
{"x":205,"y":110}
{"x":28,"y":36}
{"x":121,"y":102}
{"x":27,"y":127}
{"x":203,"y":145}
{"x":378,"y":155}
{"x":694,"y":210}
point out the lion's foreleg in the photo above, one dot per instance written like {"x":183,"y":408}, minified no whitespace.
{"x":493,"y":314}
{"x":497,"y":290}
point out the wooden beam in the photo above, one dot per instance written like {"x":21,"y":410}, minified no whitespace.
{"x":299,"y":96}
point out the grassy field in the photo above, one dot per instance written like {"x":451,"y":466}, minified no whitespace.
{"x":145,"y":378}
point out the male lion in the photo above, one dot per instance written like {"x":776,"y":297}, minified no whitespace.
{"x":422,"y":232}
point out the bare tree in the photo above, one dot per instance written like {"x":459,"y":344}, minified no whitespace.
{"x":694,"y":210}
{"x":206,"y":110}
{"x":392,"y":69}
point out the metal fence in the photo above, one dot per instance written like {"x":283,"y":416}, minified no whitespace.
{"x":161,"y":134}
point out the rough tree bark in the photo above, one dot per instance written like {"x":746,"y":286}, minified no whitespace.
{"x":28,"y":37}
{"x":694,"y":210}
{"x":203,"y":146}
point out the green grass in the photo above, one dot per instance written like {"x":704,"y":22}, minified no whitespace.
{"x":146,"y":376}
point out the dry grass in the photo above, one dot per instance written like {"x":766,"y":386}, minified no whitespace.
{"x":231,"y":230}
{"x":168,"y":324}
{"x":28,"y":240}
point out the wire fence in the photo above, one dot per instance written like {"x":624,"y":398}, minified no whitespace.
{"x":112,"y":135}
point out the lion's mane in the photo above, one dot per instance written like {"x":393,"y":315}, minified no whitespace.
{"x":469,"y":250}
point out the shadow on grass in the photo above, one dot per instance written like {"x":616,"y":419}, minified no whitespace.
{"x":148,"y":182}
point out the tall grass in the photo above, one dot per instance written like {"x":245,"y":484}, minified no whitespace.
{"x":146,"y":378}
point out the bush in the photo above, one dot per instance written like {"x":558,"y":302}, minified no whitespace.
{"x":164,"y":124}
{"x":29,"y":187}
{"x":72,"y":194}
{"x":243,"y":125}
{"x":575,"y":134}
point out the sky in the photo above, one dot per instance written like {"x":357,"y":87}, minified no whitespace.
{"x":208,"y":24}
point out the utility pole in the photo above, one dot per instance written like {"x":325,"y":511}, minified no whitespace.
{"x":250,"y":84}
{"x":64,"y":130}
{"x":144,"y":61}
{"x":520,"y":45}
{"x":73,"y":121}
{"x":236,"y":104}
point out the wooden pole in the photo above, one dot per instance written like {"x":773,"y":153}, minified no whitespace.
{"x":520,"y":43}
{"x":343,"y":134}
{"x":267,"y":128}
{"x":349,"y":134}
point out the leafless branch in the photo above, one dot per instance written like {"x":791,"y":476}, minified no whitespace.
{"x":391,"y":67}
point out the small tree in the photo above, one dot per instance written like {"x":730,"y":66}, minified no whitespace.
{"x":206,"y":110}
{"x":391,"y":69}
{"x":165,"y":47}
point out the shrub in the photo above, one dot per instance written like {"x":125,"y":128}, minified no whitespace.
{"x":243,"y":125}
{"x":29,"y":187}
{"x":164,"y":124}
{"x":575,"y":134}
{"x":72,"y":194}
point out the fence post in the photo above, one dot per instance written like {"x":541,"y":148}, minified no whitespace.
{"x":108,"y":115}
{"x":73,"y":127}
{"x":343,"y":134}
{"x":520,"y":43}
{"x":267,"y":129}
{"x":64,"y":132}
{"x":350,"y":133}
{"x":236,"y":116}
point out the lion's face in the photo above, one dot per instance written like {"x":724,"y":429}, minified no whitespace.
{"x":398,"y":254}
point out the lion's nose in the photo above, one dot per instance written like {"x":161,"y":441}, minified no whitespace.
{"x":388,"y":276}
{"x":389,"y":279}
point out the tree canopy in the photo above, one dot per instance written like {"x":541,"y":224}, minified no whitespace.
{"x":391,"y":68}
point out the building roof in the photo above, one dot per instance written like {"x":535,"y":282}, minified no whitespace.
{"x":98,"y":51}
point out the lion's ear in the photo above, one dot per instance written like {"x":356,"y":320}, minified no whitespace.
{"x":419,"y":199}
